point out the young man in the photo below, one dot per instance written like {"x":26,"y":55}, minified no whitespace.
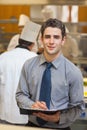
{"x":66,"y":82}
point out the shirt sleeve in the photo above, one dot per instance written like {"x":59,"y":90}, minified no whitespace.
{"x":22,"y":93}
{"x":68,"y":117}
{"x":76,"y":98}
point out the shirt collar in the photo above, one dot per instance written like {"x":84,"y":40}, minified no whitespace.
{"x":55,"y":63}
{"x":42,"y":59}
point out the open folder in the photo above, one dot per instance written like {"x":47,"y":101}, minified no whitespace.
{"x":31,"y":111}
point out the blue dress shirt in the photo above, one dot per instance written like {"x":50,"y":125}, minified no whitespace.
{"x":67,"y":88}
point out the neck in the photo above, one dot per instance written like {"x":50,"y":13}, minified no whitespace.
{"x":30,"y":47}
{"x":50,"y":57}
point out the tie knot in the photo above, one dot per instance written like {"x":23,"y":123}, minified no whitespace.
{"x":49,"y":65}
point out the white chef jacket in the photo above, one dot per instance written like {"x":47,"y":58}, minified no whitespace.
{"x":13,"y":42}
{"x":11,"y":63}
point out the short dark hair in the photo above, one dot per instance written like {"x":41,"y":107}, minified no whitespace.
{"x":53,"y":22}
{"x":23,"y":42}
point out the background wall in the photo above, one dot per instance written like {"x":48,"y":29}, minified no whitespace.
{"x":12,"y":11}
{"x":83,"y":16}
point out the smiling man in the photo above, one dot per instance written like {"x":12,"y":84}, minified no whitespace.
{"x":66,"y":85}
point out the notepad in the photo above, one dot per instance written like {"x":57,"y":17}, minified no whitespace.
{"x":51,"y":111}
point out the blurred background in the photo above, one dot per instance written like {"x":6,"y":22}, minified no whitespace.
{"x":72,"y":13}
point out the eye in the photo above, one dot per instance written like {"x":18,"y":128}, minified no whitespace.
{"x":47,"y":36}
{"x":56,"y":36}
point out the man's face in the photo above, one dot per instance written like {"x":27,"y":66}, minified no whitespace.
{"x":52,"y":40}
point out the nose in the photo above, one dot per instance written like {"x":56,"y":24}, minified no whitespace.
{"x":51,"y":39}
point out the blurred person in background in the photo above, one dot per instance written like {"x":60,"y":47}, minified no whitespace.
{"x":11,"y":63}
{"x":23,"y":19}
{"x":70,"y":49}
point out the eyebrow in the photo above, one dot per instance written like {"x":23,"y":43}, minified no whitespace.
{"x":55,"y":36}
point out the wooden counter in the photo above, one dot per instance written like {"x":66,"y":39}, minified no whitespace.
{"x":14,"y":127}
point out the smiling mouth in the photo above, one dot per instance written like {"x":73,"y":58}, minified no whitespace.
{"x":51,"y":48}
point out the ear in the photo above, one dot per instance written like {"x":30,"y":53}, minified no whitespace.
{"x":41,"y":40}
{"x":63,"y":40}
